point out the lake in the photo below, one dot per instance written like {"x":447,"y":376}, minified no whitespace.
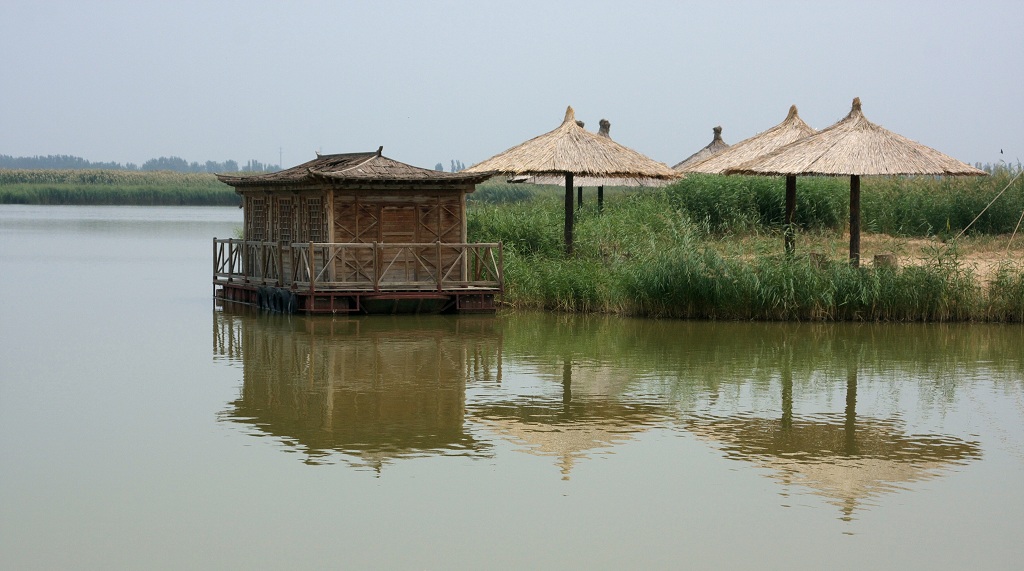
{"x":142,"y":426}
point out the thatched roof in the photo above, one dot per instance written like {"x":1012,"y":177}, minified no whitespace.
{"x":716,"y":146}
{"x":572,"y":149}
{"x":590,"y":181}
{"x":355,"y":168}
{"x":855,"y":146}
{"x":791,"y":129}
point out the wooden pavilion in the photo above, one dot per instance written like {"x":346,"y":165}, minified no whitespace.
{"x":356,"y":232}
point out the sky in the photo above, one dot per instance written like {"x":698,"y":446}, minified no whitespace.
{"x":464,"y":80}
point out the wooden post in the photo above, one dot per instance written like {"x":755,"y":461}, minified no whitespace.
{"x":579,"y":197}
{"x":568,"y":214}
{"x":311,"y":264}
{"x":600,"y":198}
{"x":855,"y":221}
{"x":377,"y":266}
{"x":280,"y":263}
{"x":231,"y":260}
{"x":790,"y":231}
{"x":437,"y":268}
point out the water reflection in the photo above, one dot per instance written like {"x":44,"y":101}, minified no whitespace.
{"x":589,"y":412}
{"x":720,"y":382}
{"x":844,"y":412}
{"x":370,"y":389}
{"x":845,"y":458}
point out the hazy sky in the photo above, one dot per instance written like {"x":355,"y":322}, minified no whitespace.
{"x":436,"y":81}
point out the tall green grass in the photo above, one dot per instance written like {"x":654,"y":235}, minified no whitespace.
{"x":748,"y":204}
{"x":658,"y":252}
{"x":113,"y":187}
{"x":928,"y":206}
{"x":900,"y":206}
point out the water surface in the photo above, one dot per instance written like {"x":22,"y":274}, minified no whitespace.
{"x":143,"y":427}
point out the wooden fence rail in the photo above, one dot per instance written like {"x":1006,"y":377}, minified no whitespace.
{"x":358,"y":267}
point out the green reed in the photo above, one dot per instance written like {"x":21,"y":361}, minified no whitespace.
{"x":113,"y":187}
{"x":927,"y":206}
{"x":649,"y":254}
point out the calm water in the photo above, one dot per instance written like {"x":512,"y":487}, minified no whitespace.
{"x":142,"y":427}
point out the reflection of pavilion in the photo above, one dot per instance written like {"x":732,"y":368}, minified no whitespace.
{"x":371,"y":389}
{"x":844,"y":458}
{"x":587,"y":416}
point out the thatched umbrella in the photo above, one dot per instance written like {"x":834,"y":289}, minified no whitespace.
{"x":716,"y":146}
{"x":569,"y":151}
{"x":599,"y":182}
{"x":789,"y":130}
{"x":855,"y":147}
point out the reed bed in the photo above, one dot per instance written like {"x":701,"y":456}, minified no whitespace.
{"x":710,"y":247}
{"x":94,"y":187}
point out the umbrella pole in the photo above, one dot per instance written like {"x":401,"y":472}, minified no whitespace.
{"x":600,"y":198}
{"x":790,"y":210}
{"x":568,"y":213}
{"x":855,"y":221}
{"x":579,"y":197}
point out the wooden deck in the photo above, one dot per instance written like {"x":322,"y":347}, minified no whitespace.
{"x":358,"y":277}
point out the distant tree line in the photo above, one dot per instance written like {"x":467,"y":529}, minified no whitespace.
{"x":175,"y":164}
{"x":457,"y":166}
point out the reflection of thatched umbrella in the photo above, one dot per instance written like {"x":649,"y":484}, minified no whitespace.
{"x":845,"y":458}
{"x":546,"y":428}
{"x":855,"y":147}
{"x":789,"y":130}
{"x":570,"y":426}
{"x":569,"y":151}
{"x":716,"y":146}
{"x":821,"y":453}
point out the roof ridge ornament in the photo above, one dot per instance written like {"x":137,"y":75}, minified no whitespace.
{"x":380,"y":150}
{"x":855,"y":109}
{"x":570,"y":115}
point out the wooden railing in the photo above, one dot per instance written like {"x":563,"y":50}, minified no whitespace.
{"x":372,"y":267}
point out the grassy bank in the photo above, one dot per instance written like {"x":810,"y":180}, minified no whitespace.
{"x":140,"y":188}
{"x":711,"y":247}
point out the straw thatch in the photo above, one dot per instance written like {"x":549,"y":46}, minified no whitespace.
{"x":791,"y":129}
{"x":574,"y":150}
{"x":591,"y":181}
{"x":855,"y":146}
{"x":716,"y":146}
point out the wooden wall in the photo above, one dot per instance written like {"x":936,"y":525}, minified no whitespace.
{"x":386,"y":217}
